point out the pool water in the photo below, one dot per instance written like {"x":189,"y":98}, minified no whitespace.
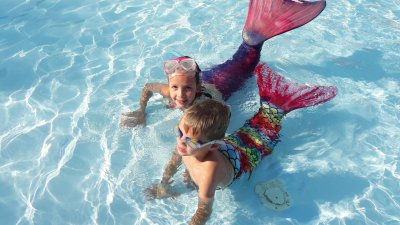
{"x":69,"y":68}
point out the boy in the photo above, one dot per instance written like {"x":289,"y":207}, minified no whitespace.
{"x":186,"y":82}
{"x":213,"y":161}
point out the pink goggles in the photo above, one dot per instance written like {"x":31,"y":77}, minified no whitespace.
{"x":184,"y":63}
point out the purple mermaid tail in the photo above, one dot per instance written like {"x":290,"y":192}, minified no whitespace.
{"x":265,"y":19}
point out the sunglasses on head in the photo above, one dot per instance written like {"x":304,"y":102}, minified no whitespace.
{"x":184,"y":63}
{"x":193,"y":142}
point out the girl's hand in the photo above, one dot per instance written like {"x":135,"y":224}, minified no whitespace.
{"x":132,"y":119}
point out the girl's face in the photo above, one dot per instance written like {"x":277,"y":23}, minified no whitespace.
{"x":183,"y":89}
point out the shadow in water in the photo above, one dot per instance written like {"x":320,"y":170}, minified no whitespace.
{"x":363,"y":65}
{"x":326,"y":188}
{"x":306,"y":191}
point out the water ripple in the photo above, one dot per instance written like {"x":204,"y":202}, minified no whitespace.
{"x":69,"y":69}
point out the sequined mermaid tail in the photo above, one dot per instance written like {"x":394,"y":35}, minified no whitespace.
{"x":278,"y":96}
{"x":265,"y":19}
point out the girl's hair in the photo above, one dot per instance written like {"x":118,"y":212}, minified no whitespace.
{"x":198,"y":70}
{"x":209,"y":118}
{"x":197,"y":75}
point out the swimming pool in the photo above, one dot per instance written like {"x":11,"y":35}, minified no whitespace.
{"x":69,"y":68}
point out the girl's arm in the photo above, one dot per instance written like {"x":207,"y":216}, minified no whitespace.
{"x":139,"y":116}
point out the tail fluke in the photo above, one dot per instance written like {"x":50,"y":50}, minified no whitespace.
{"x":288,"y":95}
{"x":268,"y":18}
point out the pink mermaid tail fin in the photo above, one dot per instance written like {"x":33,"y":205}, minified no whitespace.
{"x":268,"y":18}
{"x":288,"y":95}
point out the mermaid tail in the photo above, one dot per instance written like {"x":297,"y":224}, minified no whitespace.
{"x":265,"y":19}
{"x":259,"y":135}
{"x":270,"y":18}
{"x":288,"y":95}
{"x":232,"y":74}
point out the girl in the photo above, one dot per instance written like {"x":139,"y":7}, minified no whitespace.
{"x":187,"y":84}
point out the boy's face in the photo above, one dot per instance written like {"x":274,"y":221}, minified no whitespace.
{"x":182,"y":147}
{"x":182,"y":89}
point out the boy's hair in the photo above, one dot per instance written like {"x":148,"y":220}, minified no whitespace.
{"x":210,"y":118}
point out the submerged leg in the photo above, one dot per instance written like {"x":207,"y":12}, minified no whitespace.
{"x":230,"y":76}
{"x":188,"y":180}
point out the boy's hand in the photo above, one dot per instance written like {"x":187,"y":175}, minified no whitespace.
{"x":133,"y":119}
{"x":159,"y":191}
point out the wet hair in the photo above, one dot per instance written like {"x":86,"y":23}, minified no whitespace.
{"x":209,"y":118}
{"x":198,"y":72}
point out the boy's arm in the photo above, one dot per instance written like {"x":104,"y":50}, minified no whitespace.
{"x":172,"y":168}
{"x":139,"y":116}
{"x":162,"y":190}
{"x":203,"y":212}
{"x":207,"y":188}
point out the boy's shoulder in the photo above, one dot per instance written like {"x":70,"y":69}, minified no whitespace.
{"x":215,"y":160}
{"x":208,"y":161}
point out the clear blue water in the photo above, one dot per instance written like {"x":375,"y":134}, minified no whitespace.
{"x":69,"y":68}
